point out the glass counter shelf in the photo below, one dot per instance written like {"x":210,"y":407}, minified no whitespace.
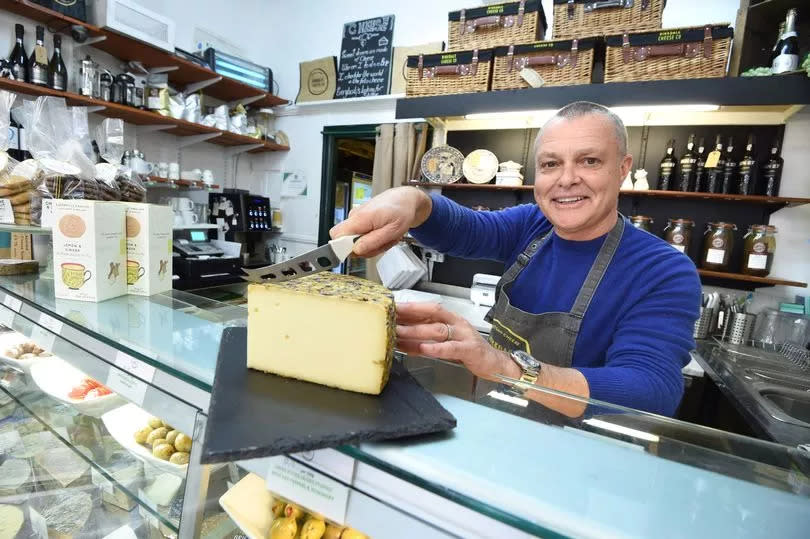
{"x":511,"y":468}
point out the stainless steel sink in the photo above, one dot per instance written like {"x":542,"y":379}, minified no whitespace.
{"x":789,"y":405}
{"x":791,"y":380}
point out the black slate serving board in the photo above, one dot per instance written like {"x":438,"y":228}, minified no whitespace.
{"x":254,"y":414}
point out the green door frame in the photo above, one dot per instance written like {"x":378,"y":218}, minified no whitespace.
{"x":329,"y":170}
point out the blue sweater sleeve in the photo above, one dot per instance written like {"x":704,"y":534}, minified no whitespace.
{"x":458,"y":231}
{"x":651,"y":343}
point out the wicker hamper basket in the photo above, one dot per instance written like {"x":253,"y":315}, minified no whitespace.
{"x":449,"y":73}
{"x":501,"y":24}
{"x":574,"y":18}
{"x":559,"y":63}
{"x":678,"y":53}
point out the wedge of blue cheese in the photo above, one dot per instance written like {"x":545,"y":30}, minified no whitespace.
{"x":330,"y":329}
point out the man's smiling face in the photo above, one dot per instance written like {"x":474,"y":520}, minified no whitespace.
{"x":578,"y":170}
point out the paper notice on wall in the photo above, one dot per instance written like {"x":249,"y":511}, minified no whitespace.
{"x":293,"y":184}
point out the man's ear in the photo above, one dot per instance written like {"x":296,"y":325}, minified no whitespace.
{"x":626,"y":166}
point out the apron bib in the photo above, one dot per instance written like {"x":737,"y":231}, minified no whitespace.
{"x":548,"y":337}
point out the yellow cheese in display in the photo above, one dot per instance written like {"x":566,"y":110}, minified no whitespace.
{"x":326,"y":328}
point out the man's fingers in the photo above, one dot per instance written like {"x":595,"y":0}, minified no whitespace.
{"x":358,"y":224}
{"x":452,"y":350}
{"x":409,"y":347}
{"x":413,"y":313}
{"x":436,"y":332}
{"x":377,"y":240}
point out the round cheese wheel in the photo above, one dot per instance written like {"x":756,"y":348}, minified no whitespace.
{"x":480,"y":166}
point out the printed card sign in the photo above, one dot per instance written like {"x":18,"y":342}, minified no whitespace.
{"x":310,"y":489}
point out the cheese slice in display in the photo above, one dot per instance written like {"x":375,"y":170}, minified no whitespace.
{"x":325,"y":328}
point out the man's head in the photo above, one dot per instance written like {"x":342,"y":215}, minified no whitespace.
{"x":580,"y":161}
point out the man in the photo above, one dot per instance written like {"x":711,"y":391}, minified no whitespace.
{"x":606,"y":308}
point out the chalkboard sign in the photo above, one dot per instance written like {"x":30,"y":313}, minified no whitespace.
{"x":365,"y":58}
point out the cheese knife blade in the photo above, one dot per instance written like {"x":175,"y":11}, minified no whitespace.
{"x":324,"y":258}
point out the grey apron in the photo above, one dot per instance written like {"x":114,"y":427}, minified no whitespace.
{"x":548,"y":337}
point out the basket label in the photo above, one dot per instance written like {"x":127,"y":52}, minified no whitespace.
{"x":669,"y":35}
{"x":448,"y":59}
{"x":543,"y":45}
{"x":495,"y":10}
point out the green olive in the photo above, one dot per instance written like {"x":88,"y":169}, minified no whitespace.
{"x":157,"y":434}
{"x":163,"y":451}
{"x":141,"y":435}
{"x":156,"y":422}
{"x":313,"y":528}
{"x":283,"y":528}
{"x":349,"y":533}
{"x":182,"y":442}
{"x":179,"y":457}
{"x":332,"y":532}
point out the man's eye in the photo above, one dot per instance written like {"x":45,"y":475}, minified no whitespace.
{"x":591,"y":161}
{"x":548,"y":164}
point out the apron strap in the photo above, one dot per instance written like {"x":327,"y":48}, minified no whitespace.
{"x":521,"y":262}
{"x":598,"y":269}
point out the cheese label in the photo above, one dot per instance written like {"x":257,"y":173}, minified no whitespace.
{"x":7,"y":318}
{"x":135,"y":367}
{"x":44,"y":338}
{"x":127,"y":386}
{"x":330,"y":461}
{"x":12,"y":303}
{"x":313,"y":490}
{"x":50,"y":323}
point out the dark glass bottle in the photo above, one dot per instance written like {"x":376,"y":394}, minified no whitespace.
{"x":715,"y":163}
{"x":39,"y":60}
{"x":775,"y":48}
{"x":667,"y":167}
{"x":686,"y":171}
{"x":18,"y":59}
{"x":748,"y":169}
{"x":57,"y":72}
{"x":729,"y":168}
{"x":700,"y":166}
{"x":787,"y":51}
{"x":772,"y":172}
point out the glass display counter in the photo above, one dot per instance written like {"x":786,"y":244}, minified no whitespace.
{"x":79,"y":460}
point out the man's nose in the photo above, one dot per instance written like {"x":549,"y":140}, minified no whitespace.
{"x":568,"y":176}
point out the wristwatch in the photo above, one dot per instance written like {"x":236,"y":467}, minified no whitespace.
{"x":529,"y":366}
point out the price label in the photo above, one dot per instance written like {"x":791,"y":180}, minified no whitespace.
{"x":50,"y":323}
{"x":44,"y":338}
{"x":135,"y":367}
{"x":12,"y":303}
{"x":127,"y":386}
{"x":38,"y":524}
{"x":329,"y":461}
{"x":313,"y":490}
{"x":712,"y":159}
{"x":100,"y":481}
{"x":7,"y":318}
{"x":6,"y":212}
{"x":46,"y":218}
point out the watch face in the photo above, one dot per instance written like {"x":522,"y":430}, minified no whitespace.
{"x":526,"y":361}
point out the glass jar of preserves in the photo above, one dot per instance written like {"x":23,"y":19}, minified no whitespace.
{"x":718,"y":242}
{"x":678,"y":233}
{"x":759,"y":247}
{"x":641,"y":221}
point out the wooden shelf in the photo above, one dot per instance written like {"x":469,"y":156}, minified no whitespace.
{"x":128,"y":49}
{"x":768,"y":281}
{"x":750,"y":199}
{"x":135,"y":116}
{"x":728,"y":91}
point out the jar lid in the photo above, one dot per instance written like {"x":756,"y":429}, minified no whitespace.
{"x":687,"y":222}
{"x":763,"y":228}
{"x":721,"y":224}
{"x":640,"y":218}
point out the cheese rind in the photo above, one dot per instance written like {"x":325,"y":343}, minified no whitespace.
{"x":326,"y":328}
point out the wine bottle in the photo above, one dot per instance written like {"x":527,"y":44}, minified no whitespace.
{"x":39,"y":60}
{"x":57,"y":72}
{"x":787,"y":51}
{"x":700,"y":166}
{"x":775,"y":48}
{"x":772,"y":171}
{"x":714,"y":167}
{"x":729,"y":169}
{"x":18,"y":58}
{"x":667,"y":167}
{"x":686,"y":176}
{"x":748,"y":169}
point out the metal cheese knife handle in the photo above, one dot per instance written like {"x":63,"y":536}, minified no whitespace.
{"x":323,"y":258}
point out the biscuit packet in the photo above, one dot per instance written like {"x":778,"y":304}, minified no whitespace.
{"x":58,"y":138}
{"x":110,"y":139}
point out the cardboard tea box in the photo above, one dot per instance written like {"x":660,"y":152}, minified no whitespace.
{"x":89,"y":250}
{"x":149,"y":248}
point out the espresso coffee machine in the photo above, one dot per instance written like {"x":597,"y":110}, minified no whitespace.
{"x":246,"y":217}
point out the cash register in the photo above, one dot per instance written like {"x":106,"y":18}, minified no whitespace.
{"x":198,"y":263}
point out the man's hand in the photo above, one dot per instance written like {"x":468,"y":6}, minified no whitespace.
{"x":428,"y":329}
{"x":385,"y":219}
